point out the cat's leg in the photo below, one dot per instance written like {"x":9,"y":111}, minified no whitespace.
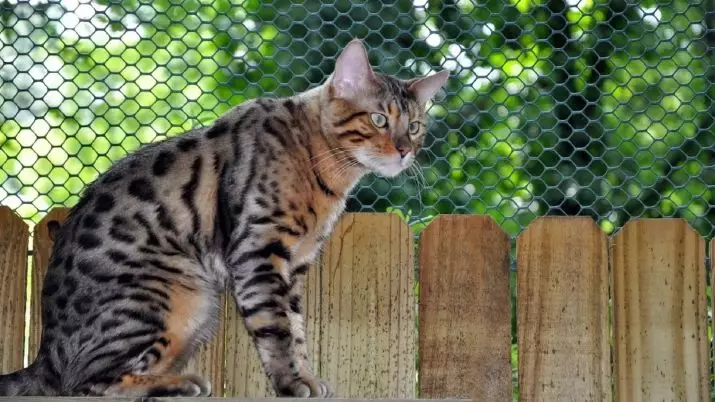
{"x":261,"y":274}
{"x":133,"y":385}
{"x":296,"y":316}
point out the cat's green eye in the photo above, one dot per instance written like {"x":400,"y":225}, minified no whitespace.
{"x":414,"y":127}
{"x":378,"y":120}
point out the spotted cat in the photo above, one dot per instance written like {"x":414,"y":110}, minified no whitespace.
{"x":138,"y":268}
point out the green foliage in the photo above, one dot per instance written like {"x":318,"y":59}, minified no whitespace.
{"x":570,"y":107}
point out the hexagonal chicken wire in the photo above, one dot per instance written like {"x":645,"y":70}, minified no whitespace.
{"x":578,"y":107}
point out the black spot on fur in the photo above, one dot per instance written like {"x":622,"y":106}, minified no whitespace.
{"x":266,"y":105}
{"x":274,"y":248}
{"x":142,"y":189}
{"x":163,"y":267}
{"x":217,"y":163}
{"x":101,"y":278}
{"x":163,"y":162}
{"x":152,"y":239}
{"x":82,"y":304}
{"x":219,"y":129}
{"x":164,"y":218}
{"x":120,"y":236}
{"x":272,"y":332}
{"x":188,"y":192}
{"x":269,"y":128}
{"x":61,"y":302}
{"x":133,"y":264}
{"x":149,"y":277}
{"x":300,"y":270}
{"x":88,"y":241}
{"x":125,"y":279}
{"x":116,"y":256}
{"x":187,"y":144}
{"x":295,"y":304}
{"x":111,"y":324}
{"x":69,"y":330}
{"x":104,"y":203}
{"x":90,"y":222}
{"x":84,"y":267}
{"x":69,"y":264}
{"x":261,"y":202}
{"x":289,"y":105}
{"x":266,"y":305}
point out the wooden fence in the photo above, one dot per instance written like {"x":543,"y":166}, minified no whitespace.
{"x":597,"y":318}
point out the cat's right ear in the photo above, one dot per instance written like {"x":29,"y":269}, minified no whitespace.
{"x":352,"y":71}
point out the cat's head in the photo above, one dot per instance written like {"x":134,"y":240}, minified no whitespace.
{"x":380,"y":120}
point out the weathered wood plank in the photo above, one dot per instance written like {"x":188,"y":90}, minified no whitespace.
{"x":660,"y":312}
{"x":562,"y":312}
{"x":14,"y":238}
{"x":465,"y":314}
{"x":42,"y":245}
{"x":367,"y":317}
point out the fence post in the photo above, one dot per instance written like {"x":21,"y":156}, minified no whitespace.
{"x":660,"y":312}
{"x":465,"y":313}
{"x":14,"y":238}
{"x":562,"y":315}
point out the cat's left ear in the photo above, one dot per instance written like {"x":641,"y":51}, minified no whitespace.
{"x":426,"y":87}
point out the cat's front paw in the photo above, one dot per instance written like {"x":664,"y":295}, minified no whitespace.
{"x":306,"y":387}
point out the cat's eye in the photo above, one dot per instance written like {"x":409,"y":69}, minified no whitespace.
{"x":414,"y":127}
{"x":378,"y":120}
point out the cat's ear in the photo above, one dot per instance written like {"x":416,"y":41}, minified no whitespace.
{"x":352,"y":71}
{"x":426,"y":87}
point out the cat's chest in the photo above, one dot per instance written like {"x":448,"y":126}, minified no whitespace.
{"x":309,"y":247}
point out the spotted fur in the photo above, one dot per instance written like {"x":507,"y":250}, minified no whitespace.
{"x":137,"y":269}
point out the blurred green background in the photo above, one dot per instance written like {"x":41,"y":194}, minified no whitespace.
{"x":577,"y":107}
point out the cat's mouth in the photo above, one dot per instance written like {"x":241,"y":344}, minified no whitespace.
{"x":385,"y":165}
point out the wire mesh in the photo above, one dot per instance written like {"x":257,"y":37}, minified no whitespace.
{"x":572,"y":107}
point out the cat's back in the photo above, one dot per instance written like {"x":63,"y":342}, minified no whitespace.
{"x":167,"y":186}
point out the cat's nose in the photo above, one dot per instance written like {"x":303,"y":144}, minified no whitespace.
{"x":403,"y":146}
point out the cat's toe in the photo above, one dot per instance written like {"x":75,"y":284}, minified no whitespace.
{"x":203,"y":385}
{"x":307,"y":388}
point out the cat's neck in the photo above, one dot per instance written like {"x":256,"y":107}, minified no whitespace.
{"x":335,"y":166}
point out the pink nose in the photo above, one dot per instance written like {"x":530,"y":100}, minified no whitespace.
{"x":404,"y":150}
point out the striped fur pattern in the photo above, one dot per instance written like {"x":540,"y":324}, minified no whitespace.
{"x":138,"y":268}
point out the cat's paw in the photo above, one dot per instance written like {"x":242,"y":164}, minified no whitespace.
{"x":202,"y":386}
{"x":306,"y":387}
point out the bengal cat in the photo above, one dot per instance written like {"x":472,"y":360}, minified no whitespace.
{"x":138,"y":268}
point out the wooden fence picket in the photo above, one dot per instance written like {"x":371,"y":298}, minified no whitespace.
{"x":13,"y":282}
{"x":660,"y":312}
{"x":563,"y":335}
{"x":465,"y":310}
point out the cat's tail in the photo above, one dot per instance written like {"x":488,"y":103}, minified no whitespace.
{"x":21,"y":382}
